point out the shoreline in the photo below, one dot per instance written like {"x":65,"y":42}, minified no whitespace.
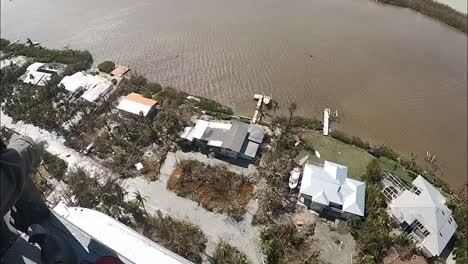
{"x":118,"y":142}
{"x":223,"y":112}
{"x":435,"y":10}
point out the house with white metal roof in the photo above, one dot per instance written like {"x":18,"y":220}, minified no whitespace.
{"x":87,"y":86}
{"x":328,"y":189}
{"x":135,"y":104}
{"x":232,"y":139}
{"x":38,"y":73}
{"x":421,"y":212}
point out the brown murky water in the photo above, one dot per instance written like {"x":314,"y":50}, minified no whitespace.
{"x":396,"y":76}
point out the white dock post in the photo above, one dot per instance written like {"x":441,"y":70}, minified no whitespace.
{"x":326,"y":121}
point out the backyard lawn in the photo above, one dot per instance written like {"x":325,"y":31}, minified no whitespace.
{"x":330,"y":149}
{"x":395,"y":169}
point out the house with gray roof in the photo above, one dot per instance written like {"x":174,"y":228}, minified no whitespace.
{"x":420,"y":211}
{"x":232,"y":139}
{"x":327,"y":189}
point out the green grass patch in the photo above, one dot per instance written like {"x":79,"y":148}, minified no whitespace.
{"x":106,"y":66}
{"x":333,"y":150}
{"x":395,"y":169}
{"x":50,"y":55}
{"x":213,"y":106}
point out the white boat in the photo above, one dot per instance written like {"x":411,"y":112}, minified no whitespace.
{"x":294,"y":178}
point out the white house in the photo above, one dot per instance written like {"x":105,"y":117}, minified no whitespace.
{"x":38,"y":73}
{"x":18,"y":61}
{"x":135,"y":104}
{"x":327,"y":188}
{"x":5,"y":64}
{"x":88,"y":86}
{"x":233,"y":139}
{"x":421,"y":212}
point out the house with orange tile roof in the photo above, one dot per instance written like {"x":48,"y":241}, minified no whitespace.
{"x":135,"y":104}
{"x":120,"y":71}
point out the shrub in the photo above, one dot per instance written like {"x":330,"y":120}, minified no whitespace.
{"x":373,"y":172}
{"x":4,"y":43}
{"x":304,"y":122}
{"x":227,"y":254}
{"x":152,"y":88}
{"x":182,"y":237}
{"x":55,"y":166}
{"x":138,"y":80}
{"x":213,"y":106}
{"x":341,"y":136}
{"x":387,"y":152}
{"x":51,"y":55}
{"x":244,"y":120}
{"x":106,"y":66}
{"x":286,"y":244}
{"x":84,"y":189}
{"x":170,"y":97}
{"x":214,"y":187}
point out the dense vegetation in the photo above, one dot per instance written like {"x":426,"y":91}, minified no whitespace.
{"x":350,"y":140}
{"x":460,"y":214}
{"x":54,"y":165}
{"x":37,"y":106}
{"x":67,"y":56}
{"x":216,"y":188}
{"x":106,"y":66}
{"x":213,"y":106}
{"x":179,"y":236}
{"x":373,"y":233}
{"x":301,"y":122}
{"x":435,"y":10}
{"x":227,"y":254}
{"x":4,"y":43}
{"x":284,"y":243}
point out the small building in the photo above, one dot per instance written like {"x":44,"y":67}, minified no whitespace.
{"x":232,"y":139}
{"x":87,"y":86}
{"x":135,"y":104}
{"x":420,"y":211}
{"x":326,"y":189}
{"x":5,"y":64}
{"x":38,"y":73}
{"x":120,"y":71}
{"x":17,"y":61}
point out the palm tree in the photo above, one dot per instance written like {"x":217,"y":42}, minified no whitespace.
{"x":291,"y":109}
{"x":141,"y":201}
{"x":107,"y":107}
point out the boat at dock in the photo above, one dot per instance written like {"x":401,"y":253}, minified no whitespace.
{"x":294,"y":178}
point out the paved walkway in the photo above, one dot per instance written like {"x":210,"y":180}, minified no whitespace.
{"x":215,"y":226}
